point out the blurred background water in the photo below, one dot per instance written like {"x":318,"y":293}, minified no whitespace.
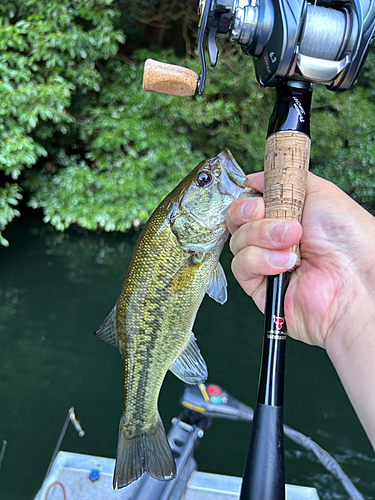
{"x":55,"y":290}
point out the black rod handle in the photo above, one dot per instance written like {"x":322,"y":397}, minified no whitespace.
{"x":264,"y":474}
{"x":266,"y":447}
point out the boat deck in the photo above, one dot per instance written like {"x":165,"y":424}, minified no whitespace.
{"x":72,"y":470}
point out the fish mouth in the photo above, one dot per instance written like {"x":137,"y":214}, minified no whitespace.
{"x":232,"y":173}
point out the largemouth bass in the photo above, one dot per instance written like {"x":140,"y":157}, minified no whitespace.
{"x":174,"y":263}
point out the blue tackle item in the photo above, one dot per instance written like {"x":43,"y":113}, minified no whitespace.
{"x":94,"y":475}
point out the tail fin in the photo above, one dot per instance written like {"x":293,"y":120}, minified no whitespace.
{"x":148,"y":452}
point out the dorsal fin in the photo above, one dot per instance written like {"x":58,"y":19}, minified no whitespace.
{"x":217,"y":287}
{"x":107,"y":330}
{"x":190,"y":366}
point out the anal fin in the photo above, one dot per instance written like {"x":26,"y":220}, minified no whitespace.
{"x":190,"y":366}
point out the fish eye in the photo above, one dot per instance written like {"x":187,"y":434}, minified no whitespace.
{"x":204,"y":178}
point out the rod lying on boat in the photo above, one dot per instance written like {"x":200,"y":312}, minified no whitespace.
{"x":71,"y":417}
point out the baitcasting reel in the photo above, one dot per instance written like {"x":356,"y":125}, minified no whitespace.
{"x":324,"y":42}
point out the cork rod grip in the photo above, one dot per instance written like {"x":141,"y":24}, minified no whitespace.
{"x":169,"y":79}
{"x":286,"y":164}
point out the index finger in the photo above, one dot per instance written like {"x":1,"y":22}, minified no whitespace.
{"x":245,"y":209}
{"x":256,"y":181}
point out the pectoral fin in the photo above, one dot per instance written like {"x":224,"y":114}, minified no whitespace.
{"x":190,"y":367}
{"x":217,"y":287}
{"x":107,"y":330}
{"x":184,"y":274}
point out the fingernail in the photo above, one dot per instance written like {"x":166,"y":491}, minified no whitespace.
{"x":279,"y":230}
{"x":282,"y":259}
{"x":250,"y":208}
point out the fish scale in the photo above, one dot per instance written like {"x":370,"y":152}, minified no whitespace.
{"x":174,"y":263}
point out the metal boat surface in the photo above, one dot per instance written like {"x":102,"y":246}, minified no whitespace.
{"x":73,"y":471}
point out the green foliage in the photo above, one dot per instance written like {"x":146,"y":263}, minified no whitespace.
{"x":89,"y":147}
{"x":133,"y":158}
{"x":343,"y":147}
{"x":9,"y":196}
{"x":48,"y":51}
{"x":233,"y":111}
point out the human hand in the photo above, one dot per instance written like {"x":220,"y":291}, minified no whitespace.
{"x":336,"y":277}
{"x":330,"y":301}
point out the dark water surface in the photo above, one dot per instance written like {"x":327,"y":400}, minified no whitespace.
{"x":55,"y":290}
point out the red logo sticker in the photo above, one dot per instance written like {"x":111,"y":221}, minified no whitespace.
{"x":278,"y":322}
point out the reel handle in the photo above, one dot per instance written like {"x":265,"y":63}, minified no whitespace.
{"x":286,"y":164}
{"x":169,"y":79}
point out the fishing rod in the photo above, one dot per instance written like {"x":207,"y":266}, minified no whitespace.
{"x":294,"y":43}
{"x":287,"y":160}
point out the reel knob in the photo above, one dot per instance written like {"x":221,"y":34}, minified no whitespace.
{"x":169,"y":79}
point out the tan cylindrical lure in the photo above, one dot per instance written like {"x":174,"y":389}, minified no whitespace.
{"x":169,"y":79}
